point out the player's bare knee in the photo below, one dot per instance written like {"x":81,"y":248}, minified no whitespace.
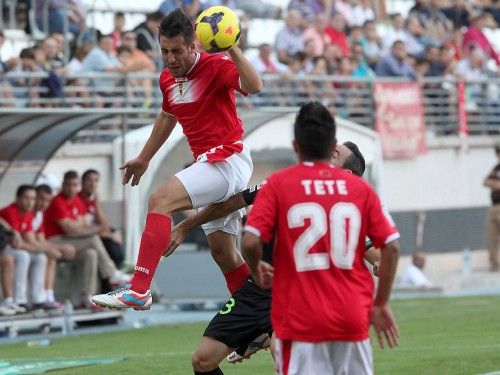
{"x":201,"y":362}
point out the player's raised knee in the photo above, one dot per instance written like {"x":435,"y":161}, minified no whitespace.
{"x":202,"y":363}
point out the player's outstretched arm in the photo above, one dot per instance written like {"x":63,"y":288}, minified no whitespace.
{"x":209,"y":213}
{"x":382,"y":318}
{"x":250,"y":80}
{"x":262,"y":272}
{"x":135,"y":168}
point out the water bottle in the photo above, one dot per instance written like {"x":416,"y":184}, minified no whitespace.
{"x":466,"y":261}
{"x":67,"y":314}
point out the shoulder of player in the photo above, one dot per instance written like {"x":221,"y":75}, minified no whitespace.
{"x":165,"y":76}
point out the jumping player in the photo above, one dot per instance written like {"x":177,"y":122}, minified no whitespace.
{"x":322,"y":292}
{"x":198,"y":92}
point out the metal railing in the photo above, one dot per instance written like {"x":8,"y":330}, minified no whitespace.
{"x":347,"y":97}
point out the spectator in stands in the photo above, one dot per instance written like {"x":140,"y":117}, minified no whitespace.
{"x":414,"y":36}
{"x":332,"y":56}
{"x":492,"y":182}
{"x":492,"y":7}
{"x":7,"y":267}
{"x":138,"y":61}
{"x":394,"y":32}
{"x":54,"y":60}
{"x":372,"y":48}
{"x":60,"y":41}
{"x":345,"y":9}
{"x":421,"y":10}
{"x":9,"y":64}
{"x":147,"y":37}
{"x":362,"y":12}
{"x":458,"y":13}
{"x":316,"y":34}
{"x":455,"y":43}
{"x":475,"y":38}
{"x":446,"y":60}
{"x":472,"y":67}
{"x":394,"y":64}
{"x":102,"y":59}
{"x":361,"y":69}
{"x":118,"y":27}
{"x":413,"y":276}
{"x":289,"y":40}
{"x":111,"y":238}
{"x":190,"y":7}
{"x":55,"y":252}
{"x":336,"y":32}
{"x":308,"y":9}
{"x":432,"y":55}
{"x":29,"y":65}
{"x":75,"y":65}
{"x":265,"y":62}
{"x":6,"y":94}
{"x":60,"y":11}
{"x":65,"y":222}
{"x":29,"y":258}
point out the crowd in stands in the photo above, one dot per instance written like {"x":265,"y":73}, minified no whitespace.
{"x":45,"y":227}
{"x":438,"y":38}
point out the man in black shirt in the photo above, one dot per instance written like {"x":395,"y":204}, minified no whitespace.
{"x":492,"y":181}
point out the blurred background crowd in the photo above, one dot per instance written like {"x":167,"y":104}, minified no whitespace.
{"x":349,"y":39}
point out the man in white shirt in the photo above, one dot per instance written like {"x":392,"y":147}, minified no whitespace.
{"x":413,"y":275}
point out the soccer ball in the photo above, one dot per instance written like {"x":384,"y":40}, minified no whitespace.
{"x":217,"y":29}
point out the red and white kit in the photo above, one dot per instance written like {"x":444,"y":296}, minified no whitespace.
{"x":203,"y":103}
{"x":322,"y":293}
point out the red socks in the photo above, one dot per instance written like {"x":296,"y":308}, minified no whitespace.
{"x":154,"y":241}
{"x":237,"y":277}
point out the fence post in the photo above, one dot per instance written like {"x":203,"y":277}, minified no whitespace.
{"x":463,"y":126}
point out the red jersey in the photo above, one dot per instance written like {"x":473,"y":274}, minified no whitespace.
{"x":89,"y":203}
{"x":18,"y":220}
{"x":319,"y":216}
{"x":62,"y":208}
{"x":203,"y":103}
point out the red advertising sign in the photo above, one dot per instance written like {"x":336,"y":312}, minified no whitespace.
{"x":399,"y":120}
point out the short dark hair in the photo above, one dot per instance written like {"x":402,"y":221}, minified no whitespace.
{"x":119,"y":14}
{"x":122,"y":49}
{"x":23,"y":189}
{"x":154,"y":16}
{"x":27,"y":53}
{"x":177,"y":23}
{"x":314,"y":131}
{"x":497,"y":149}
{"x":354,"y":162}
{"x":70,"y":175}
{"x":43,"y":188}
{"x":88,"y":172}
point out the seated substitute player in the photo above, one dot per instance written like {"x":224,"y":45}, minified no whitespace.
{"x":245,"y":322}
{"x":198,"y":91}
{"x":319,"y":229}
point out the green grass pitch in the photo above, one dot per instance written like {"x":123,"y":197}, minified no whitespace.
{"x":439,"y":336}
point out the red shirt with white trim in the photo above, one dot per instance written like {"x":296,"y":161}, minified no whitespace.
{"x":319,"y":217}
{"x":90,"y":205}
{"x":203,"y":103}
{"x":18,"y":220}
{"x":60,"y":208}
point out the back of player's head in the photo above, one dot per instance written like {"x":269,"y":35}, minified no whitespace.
{"x":356,"y":161}
{"x":177,"y":23}
{"x":314,"y":131}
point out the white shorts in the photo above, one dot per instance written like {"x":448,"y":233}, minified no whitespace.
{"x":324,"y":358}
{"x":208,"y":183}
